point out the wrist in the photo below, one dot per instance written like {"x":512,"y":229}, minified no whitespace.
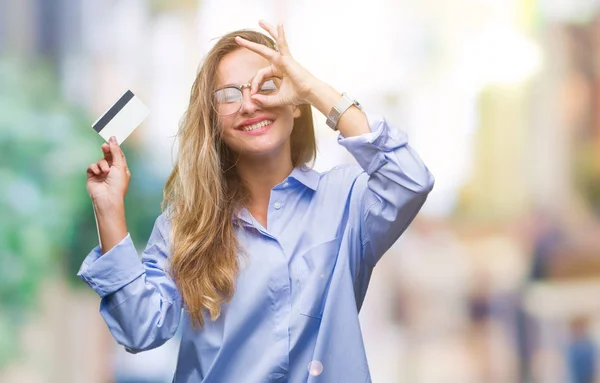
{"x":323,"y":97}
{"x":107,"y":207}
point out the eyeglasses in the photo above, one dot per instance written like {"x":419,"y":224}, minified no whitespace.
{"x":228,"y":100}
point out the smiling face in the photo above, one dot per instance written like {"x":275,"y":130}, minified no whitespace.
{"x":254,"y":130}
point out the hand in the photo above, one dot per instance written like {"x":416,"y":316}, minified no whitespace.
{"x":296,"y":82}
{"x":108,"y":179}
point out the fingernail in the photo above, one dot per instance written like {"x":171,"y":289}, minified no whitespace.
{"x":112,"y":139}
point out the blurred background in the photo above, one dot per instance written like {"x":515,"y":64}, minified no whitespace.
{"x":497,"y":280}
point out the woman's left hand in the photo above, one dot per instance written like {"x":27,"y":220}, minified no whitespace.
{"x":296,"y":82}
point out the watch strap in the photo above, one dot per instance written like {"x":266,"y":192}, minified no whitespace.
{"x":336,"y":112}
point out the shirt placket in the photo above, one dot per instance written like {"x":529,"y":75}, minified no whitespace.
{"x":280,"y":284}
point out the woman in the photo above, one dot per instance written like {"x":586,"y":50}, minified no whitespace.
{"x":270,"y":259}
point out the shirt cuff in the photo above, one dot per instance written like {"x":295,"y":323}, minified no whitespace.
{"x":116,"y":268}
{"x":369,"y":149}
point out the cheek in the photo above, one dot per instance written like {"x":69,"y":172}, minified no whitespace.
{"x":225,"y":123}
{"x":286,"y":116}
{"x":225,"y":127}
{"x":225,"y":130}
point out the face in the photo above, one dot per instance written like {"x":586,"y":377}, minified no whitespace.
{"x":254,"y":130}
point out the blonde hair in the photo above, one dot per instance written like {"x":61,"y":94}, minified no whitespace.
{"x":203,"y":194}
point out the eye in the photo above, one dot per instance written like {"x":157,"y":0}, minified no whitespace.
{"x":227,"y":95}
{"x":269,"y":86}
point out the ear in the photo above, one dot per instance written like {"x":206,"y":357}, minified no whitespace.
{"x":297,"y":111}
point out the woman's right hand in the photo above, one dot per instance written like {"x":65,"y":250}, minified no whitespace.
{"x":108,"y":179}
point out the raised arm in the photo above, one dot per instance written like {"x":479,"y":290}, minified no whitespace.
{"x":140,"y":302}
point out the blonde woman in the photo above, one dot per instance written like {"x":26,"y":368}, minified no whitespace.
{"x":269,"y":259}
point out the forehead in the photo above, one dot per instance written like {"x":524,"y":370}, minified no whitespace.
{"x":239,"y":66}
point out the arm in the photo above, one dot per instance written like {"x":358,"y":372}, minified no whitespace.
{"x":140,"y":302}
{"x":390,"y":192}
{"x":111,"y":224}
{"x":323,"y":97}
{"x":107,"y":184}
{"x":396,"y":184}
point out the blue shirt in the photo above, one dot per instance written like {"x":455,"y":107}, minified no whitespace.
{"x":294,"y":314}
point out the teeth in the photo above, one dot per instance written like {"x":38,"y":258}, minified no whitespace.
{"x":257,"y":126}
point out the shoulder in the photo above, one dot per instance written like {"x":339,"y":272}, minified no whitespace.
{"x":342,"y":179}
{"x":162,"y":225}
{"x":342,"y":173}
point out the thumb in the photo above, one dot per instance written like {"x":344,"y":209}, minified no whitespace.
{"x":118,"y":156}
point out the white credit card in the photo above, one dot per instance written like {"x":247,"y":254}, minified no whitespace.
{"x":122,"y":118}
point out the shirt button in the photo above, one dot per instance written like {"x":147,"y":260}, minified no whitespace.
{"x":277,"y":205}
{"x":286,"y":184}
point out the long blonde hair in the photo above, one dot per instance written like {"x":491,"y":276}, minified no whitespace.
{"x":203,"y":194}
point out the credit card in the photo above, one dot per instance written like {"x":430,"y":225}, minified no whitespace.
{"x":122,"y":118}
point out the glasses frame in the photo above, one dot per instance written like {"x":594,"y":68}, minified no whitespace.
{"x":241,"y":89}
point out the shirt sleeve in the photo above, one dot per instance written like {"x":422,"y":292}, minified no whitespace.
{"x":392,"y":189}
{"x":140,"y":302}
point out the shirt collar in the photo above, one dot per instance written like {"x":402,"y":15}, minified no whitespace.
{"x":244,"y":216}
{"x":306,"y":176}
{"x":302,"y":174}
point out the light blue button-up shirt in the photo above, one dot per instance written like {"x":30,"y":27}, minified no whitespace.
{"x":294,"y":314}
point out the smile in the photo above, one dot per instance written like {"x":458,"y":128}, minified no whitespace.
{"x":250,"y":128}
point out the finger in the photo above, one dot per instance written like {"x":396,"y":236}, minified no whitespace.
{"x":262,"y":50}
{"x":282,"y":41}
{"x":93,"y":170}
{"x":260,"y":76}
{"x":107,"y":153}
{"x":118,"y":156}
{"x":266,"y":100}
{"x":278,"y":34}
{"x":103,"y":165}
{"x":270,"y":28}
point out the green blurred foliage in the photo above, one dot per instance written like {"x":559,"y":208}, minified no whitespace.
{"x":47,"y":225}
{"x":42,"y":147}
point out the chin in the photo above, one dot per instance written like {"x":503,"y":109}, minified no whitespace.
{"x":260,"y":148}
{"x":258,"y":145}
{"x":263,"y":151}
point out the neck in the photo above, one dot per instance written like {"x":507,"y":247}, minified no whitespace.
{"x":261,"y":174}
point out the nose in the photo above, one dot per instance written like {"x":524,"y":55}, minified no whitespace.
{"x":248,"y":105}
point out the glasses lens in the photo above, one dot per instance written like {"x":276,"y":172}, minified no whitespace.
{"x":227,"y":101}
{"x":270,"y":85}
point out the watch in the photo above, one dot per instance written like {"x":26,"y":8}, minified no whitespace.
{"x":336,"y":112}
